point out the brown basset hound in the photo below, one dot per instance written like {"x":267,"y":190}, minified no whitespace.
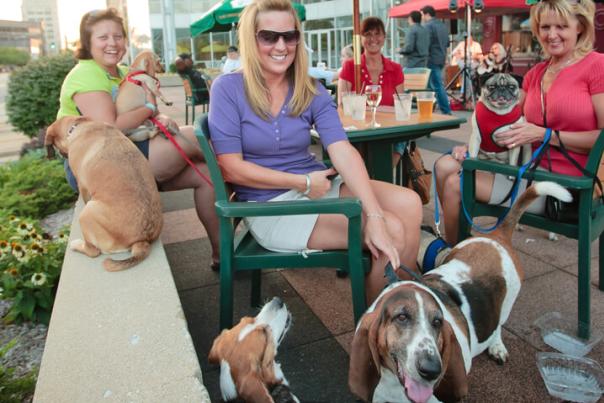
{"x":417,"y":340}
{"x":246,"y":355}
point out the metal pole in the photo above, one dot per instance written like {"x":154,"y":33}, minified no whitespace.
{"x":356,"y":41}
{"x":169,"y":30}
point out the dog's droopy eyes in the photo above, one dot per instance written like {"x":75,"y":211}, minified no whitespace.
{"x":437,"y":323}
{"x":402,"y":318}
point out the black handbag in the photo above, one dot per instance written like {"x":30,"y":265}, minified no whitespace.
{"x":562,"y":211}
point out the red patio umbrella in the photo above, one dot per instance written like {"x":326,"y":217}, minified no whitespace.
{"x":491,"y":7}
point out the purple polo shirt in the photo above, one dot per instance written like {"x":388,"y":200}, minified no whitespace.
{"x":280,"y":142}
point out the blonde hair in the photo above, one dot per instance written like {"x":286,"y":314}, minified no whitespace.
{"x":583,"y":10}
{"x":258,"y":95}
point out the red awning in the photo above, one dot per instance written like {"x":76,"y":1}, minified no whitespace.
{"x":491,"y":7}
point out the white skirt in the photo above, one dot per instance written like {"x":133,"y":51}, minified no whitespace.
{"x":502,"y":186}
{"x":288,"y":233}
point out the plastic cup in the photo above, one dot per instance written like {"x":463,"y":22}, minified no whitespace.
{"x":358,"y":102}
{"x":425,"y":102}
{"x":347,"y":103}
{"x":402,"y":106}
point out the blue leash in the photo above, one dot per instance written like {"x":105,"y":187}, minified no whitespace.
{"x":521,"y":171}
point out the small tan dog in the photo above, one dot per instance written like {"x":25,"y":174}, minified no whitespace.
{"x":132,"y":95}
{"x":123,"y":209}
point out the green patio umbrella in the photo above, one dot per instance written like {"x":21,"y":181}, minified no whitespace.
{"x":223,"y":15}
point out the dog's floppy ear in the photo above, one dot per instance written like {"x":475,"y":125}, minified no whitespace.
{"x":482,"y":78}
{"x":519,"y":79}
{"x":454,"y":384}
{"x":225,"y":342}
{"x":363,"y":374}
{"x":252,"y":389}
{"x":49,"y":139}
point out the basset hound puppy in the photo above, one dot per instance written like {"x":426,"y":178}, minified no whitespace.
{"x":246,"y":355}
{"x":417,"y":340}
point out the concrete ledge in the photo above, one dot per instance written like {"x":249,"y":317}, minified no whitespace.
{"x":118,"y":337}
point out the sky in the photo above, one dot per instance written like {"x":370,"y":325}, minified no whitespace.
{"x":71,"y":11}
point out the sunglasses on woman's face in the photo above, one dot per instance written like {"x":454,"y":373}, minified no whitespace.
{"x":267,"y":38}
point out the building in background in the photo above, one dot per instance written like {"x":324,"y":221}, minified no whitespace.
{"x":328,"y":28}
{"x":23,"y":35}
{"x":46,"y":13}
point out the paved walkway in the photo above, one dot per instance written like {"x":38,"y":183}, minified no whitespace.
{"x":314,"y":355}
{"x":10,"y":141}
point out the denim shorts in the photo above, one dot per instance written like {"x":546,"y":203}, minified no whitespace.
{"x":143,"y":146}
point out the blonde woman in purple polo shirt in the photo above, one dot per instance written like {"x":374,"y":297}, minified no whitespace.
{"x":260,"y":118}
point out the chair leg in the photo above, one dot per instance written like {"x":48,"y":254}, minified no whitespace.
{"x":193,"y":114}
{"x":256,"y":286}
{"x":186,"y":114}
{"x":468,"y":193}
{"x":601,"y":264}
{"x":584,"y":282}
{"x":357,"y":284}
{"x":226,"y":290}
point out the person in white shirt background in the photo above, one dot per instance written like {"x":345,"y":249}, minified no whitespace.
{"x":232,"y":62}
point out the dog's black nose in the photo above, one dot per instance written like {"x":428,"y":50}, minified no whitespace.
{"x":277,"y":301}
{"x":428,"y":367}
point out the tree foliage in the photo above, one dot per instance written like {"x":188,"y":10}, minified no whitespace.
{"x":33,"y":93}
{"x":13,"y":56}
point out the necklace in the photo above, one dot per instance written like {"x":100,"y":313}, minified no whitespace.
{"x":552,"y":70}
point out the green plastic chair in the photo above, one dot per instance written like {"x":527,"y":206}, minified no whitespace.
{"x":240,"y":253}
{"x":589,"y":226}
{"x":194,"y":97}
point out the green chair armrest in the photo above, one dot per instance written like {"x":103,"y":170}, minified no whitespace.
{"x":571,"y":182}
{"x":350,"y":207}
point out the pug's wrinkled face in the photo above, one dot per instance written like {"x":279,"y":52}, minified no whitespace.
{"x":500,"y":93}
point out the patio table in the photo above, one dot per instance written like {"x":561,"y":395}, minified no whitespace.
{"x":376,"y":143}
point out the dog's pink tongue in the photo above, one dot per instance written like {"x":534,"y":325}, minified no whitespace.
{"x":416,"y":392}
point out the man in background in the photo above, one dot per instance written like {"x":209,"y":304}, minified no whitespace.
{"x":417,"y":42}
{"x":232,"y":61}
{"x":437,"y":54}
{"x":184,"y":68}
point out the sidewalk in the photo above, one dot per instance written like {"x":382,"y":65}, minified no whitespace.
{"x":314,"y":355}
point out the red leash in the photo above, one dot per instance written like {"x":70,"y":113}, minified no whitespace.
{"x":180,"y":150}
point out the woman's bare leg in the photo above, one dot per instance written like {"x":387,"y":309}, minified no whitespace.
{"x":173,"y":173}
{"x":448,"y":187}
{"x":402,"y":214}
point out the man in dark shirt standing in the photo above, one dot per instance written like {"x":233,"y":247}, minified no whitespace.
{"x":436,"y":57}
{"x":417,"y":42}
{"x":184,"y":67}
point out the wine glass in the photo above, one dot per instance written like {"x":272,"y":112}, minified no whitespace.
{"x":374,"y":96}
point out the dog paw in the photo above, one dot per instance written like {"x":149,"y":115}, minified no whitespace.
{"x":552,"y":237}
{"x":77,"y":245}
{"x":519,"y":228}
{"x":498,"y":353}
{"x":169,"y":103}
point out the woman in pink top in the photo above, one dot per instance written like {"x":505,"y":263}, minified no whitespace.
{"x":571,"y":84}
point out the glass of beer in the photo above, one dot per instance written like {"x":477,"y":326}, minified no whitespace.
{"x":425,"y":103}
{"x":374,"y":96}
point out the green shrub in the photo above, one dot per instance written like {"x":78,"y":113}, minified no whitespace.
{"x":13,"y":56}
{"x":30,"y":265}
{"x":34,"y":187}
{"x":14,"y":389}
{"x":33,"y":93}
